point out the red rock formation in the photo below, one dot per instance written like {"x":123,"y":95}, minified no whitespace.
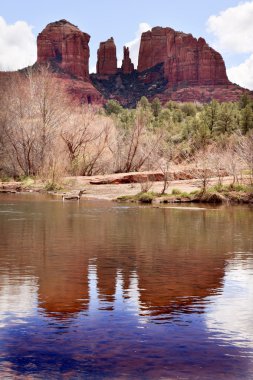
{"x":187,"y":60}
{"x":65,"y":45}
{"x":107,"y":60}
{"x":172,"y":65}
{"x":127,"y":65}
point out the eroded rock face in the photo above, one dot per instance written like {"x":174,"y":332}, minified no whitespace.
{"x":172,"y":66}
{"x":127,"y":65}
{"x":66,"y":46}
{"x":187,"y":61}
{"x":106,"y":58}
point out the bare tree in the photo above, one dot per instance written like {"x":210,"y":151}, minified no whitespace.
{"x":202,"y":167}
{"x":218,"y":162}
{"x":36,"y":107}
{"x":86,"y":138}
{"x":163,"y":162}
{"x":134,"y":145}
{"x":245,"y":152}
{"x":231,"y":158}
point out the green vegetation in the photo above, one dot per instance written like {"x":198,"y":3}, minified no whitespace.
{"x":231,"y":188}
{"x":52,"y":186}
{"x":44,"y":135}
{"x":142,"y":197}
{"x":26,"y":181}
{"x":237,"y":193}
{"x":176,"y":192}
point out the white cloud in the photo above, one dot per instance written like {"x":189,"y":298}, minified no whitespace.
{"x":233,"y":32}
{"x":243,"y":73}
{"x":233,"y":28}
{"x":93,"y":69}
{"x":17,"y":45}
{"x":229,"y":313}
{"x":134,"y":45}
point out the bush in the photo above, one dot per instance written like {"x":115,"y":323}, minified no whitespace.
{"x":146,"y":197}
{"x":176,"y":192}
{"x":52,"y":186}
{"x":27,"y":181}
{"x":4,"y":178}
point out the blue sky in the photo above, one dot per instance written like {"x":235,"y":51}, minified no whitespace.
{"x":103,"y":19}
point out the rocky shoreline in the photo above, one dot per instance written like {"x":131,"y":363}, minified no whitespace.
{"x":142,"y":187}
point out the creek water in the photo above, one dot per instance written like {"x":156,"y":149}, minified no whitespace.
{"x":99,"y":290}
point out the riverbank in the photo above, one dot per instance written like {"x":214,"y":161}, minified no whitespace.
{"x":225,"y":194}
{"x":143,"y":187}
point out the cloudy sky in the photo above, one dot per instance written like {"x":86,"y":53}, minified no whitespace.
{"x":225,"y":24}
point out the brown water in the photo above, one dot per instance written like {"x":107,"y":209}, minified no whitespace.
{"x":95,"y":290}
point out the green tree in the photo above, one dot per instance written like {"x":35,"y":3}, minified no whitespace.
{"x":143,"y":103}
{"x":246,"y":119}
{"x":226,"y":119}
{"x":113,"y":107}
{"x":210,"y":115}
{"x":189,"y":109}
{"x":244,"y":101}
{"x":156,"y":107}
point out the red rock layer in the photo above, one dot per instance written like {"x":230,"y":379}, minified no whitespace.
{"x":204,"y":94}
{"x":187,"y":60}
{"x":127,"y":65}
{"x":65,"y":45}
{"x":107,"y":59}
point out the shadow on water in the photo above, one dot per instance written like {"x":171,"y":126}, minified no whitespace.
{"x":96,"y":289}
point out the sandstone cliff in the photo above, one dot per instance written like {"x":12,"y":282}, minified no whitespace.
{"x":172,"y":65}
{"x":127,"y":65}
{"x":107,"y":59}
{"x":187,"y":61}
{"x":65,"y":45}
{"x":66,"y":48}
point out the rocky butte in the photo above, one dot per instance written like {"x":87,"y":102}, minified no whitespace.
{"x":171,"y":66}
{"x":127,"y":65}
{"x":107,"y":60}
{"x":66,"y":49}
{"x":64,"y":44}
{"x":187,"y":61}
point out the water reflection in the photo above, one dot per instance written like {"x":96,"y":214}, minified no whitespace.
{"x":18,"y":299}
{"x":107,"y":290}
{"x":228,"y":315}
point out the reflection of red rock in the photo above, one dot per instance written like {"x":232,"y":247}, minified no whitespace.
{"x":60,"y":294}
{"x":127,"y":65}
{"x":177,"y":286}
{"x":187,"y":60}
{"x":107,"y":60}
{"x":67,"y":46}
{"x":106,"y":277}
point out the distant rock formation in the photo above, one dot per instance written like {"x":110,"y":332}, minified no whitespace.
{"x":127,"y":65}
{"x":187,"y":61}
{"x":64,"y":44}
{"x":171,"y":66}
{"x":106,"y":58}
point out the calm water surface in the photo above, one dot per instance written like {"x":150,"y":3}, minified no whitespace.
{"x":95,"y":290}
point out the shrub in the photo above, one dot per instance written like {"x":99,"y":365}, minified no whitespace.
{"x":175,"y":192}
{"x":52,"y":186}
{"x":146,"y":197}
